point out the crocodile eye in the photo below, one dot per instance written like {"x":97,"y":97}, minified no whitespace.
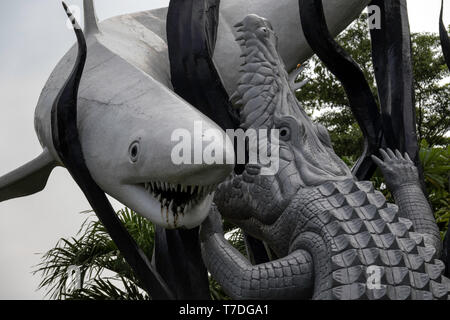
{"x":285,"y":133}
{"x":263,"y":32}
{"x":134,"y":151}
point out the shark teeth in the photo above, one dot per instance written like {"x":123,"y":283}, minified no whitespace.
{"x":179,"y":198}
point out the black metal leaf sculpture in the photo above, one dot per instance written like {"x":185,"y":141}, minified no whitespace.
{"x":392,"y":59}
{"x":68,"y":146}
{"x":361,"y":99}
{"x":191,"y":34}
{"x":445,"y":42}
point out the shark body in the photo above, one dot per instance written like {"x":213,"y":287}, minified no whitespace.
{"x":127,"y":110}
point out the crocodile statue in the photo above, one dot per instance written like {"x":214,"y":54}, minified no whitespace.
{"x":331,"y":236}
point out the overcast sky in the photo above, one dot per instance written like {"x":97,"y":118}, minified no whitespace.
{"x":32,"y":40}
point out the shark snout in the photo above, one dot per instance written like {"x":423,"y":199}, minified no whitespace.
{"x":174,"y":172}
{"x":155,"y":154}
{"x":187,"y":152}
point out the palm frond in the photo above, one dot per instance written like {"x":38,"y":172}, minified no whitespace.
{"x":93,"y":252}
{"x":109,"y":289}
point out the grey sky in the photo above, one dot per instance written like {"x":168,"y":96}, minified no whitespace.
{"x":33,"y":38}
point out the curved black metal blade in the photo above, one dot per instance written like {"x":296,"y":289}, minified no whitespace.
{"x":179,"y":261}
{"x":445,"y":40}
{"x":392,"y":58}
{"x":361,"y":99}
{"x":445,"y":43}
{"x":191,"y":33}
{"x":68,"y":146}
{"x":211,"y":24}
{"x":256,"y":250}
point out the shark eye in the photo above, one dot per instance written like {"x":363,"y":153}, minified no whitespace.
{"x":134,"y":151}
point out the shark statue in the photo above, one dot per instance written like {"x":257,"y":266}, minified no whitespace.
{"x":127,"y":109}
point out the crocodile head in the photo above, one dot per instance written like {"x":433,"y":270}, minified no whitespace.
{"x":267,"y":101}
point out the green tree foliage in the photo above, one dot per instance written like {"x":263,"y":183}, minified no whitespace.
{"x":104,"y":273}
{"x":436,"y":164}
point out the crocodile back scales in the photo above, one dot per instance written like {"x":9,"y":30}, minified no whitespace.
{"x":361,"y":230}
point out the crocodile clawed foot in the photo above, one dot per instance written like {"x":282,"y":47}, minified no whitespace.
{"x":397,"y":169}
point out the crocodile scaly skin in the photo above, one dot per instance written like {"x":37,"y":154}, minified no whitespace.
{"x":335,"y":238}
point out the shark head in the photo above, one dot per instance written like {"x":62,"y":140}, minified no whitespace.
{"x":136,"y":166}
{"x":129,"y":130}
{"x":129,"y":127}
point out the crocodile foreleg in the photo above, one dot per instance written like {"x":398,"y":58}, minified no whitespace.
{"x":402,"y":179}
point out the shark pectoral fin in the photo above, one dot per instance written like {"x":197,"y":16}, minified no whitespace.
{"x":28,"y":179}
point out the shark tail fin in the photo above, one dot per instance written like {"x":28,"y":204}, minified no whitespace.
{"x":90,"y":18}
{"x":28,"y":179}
